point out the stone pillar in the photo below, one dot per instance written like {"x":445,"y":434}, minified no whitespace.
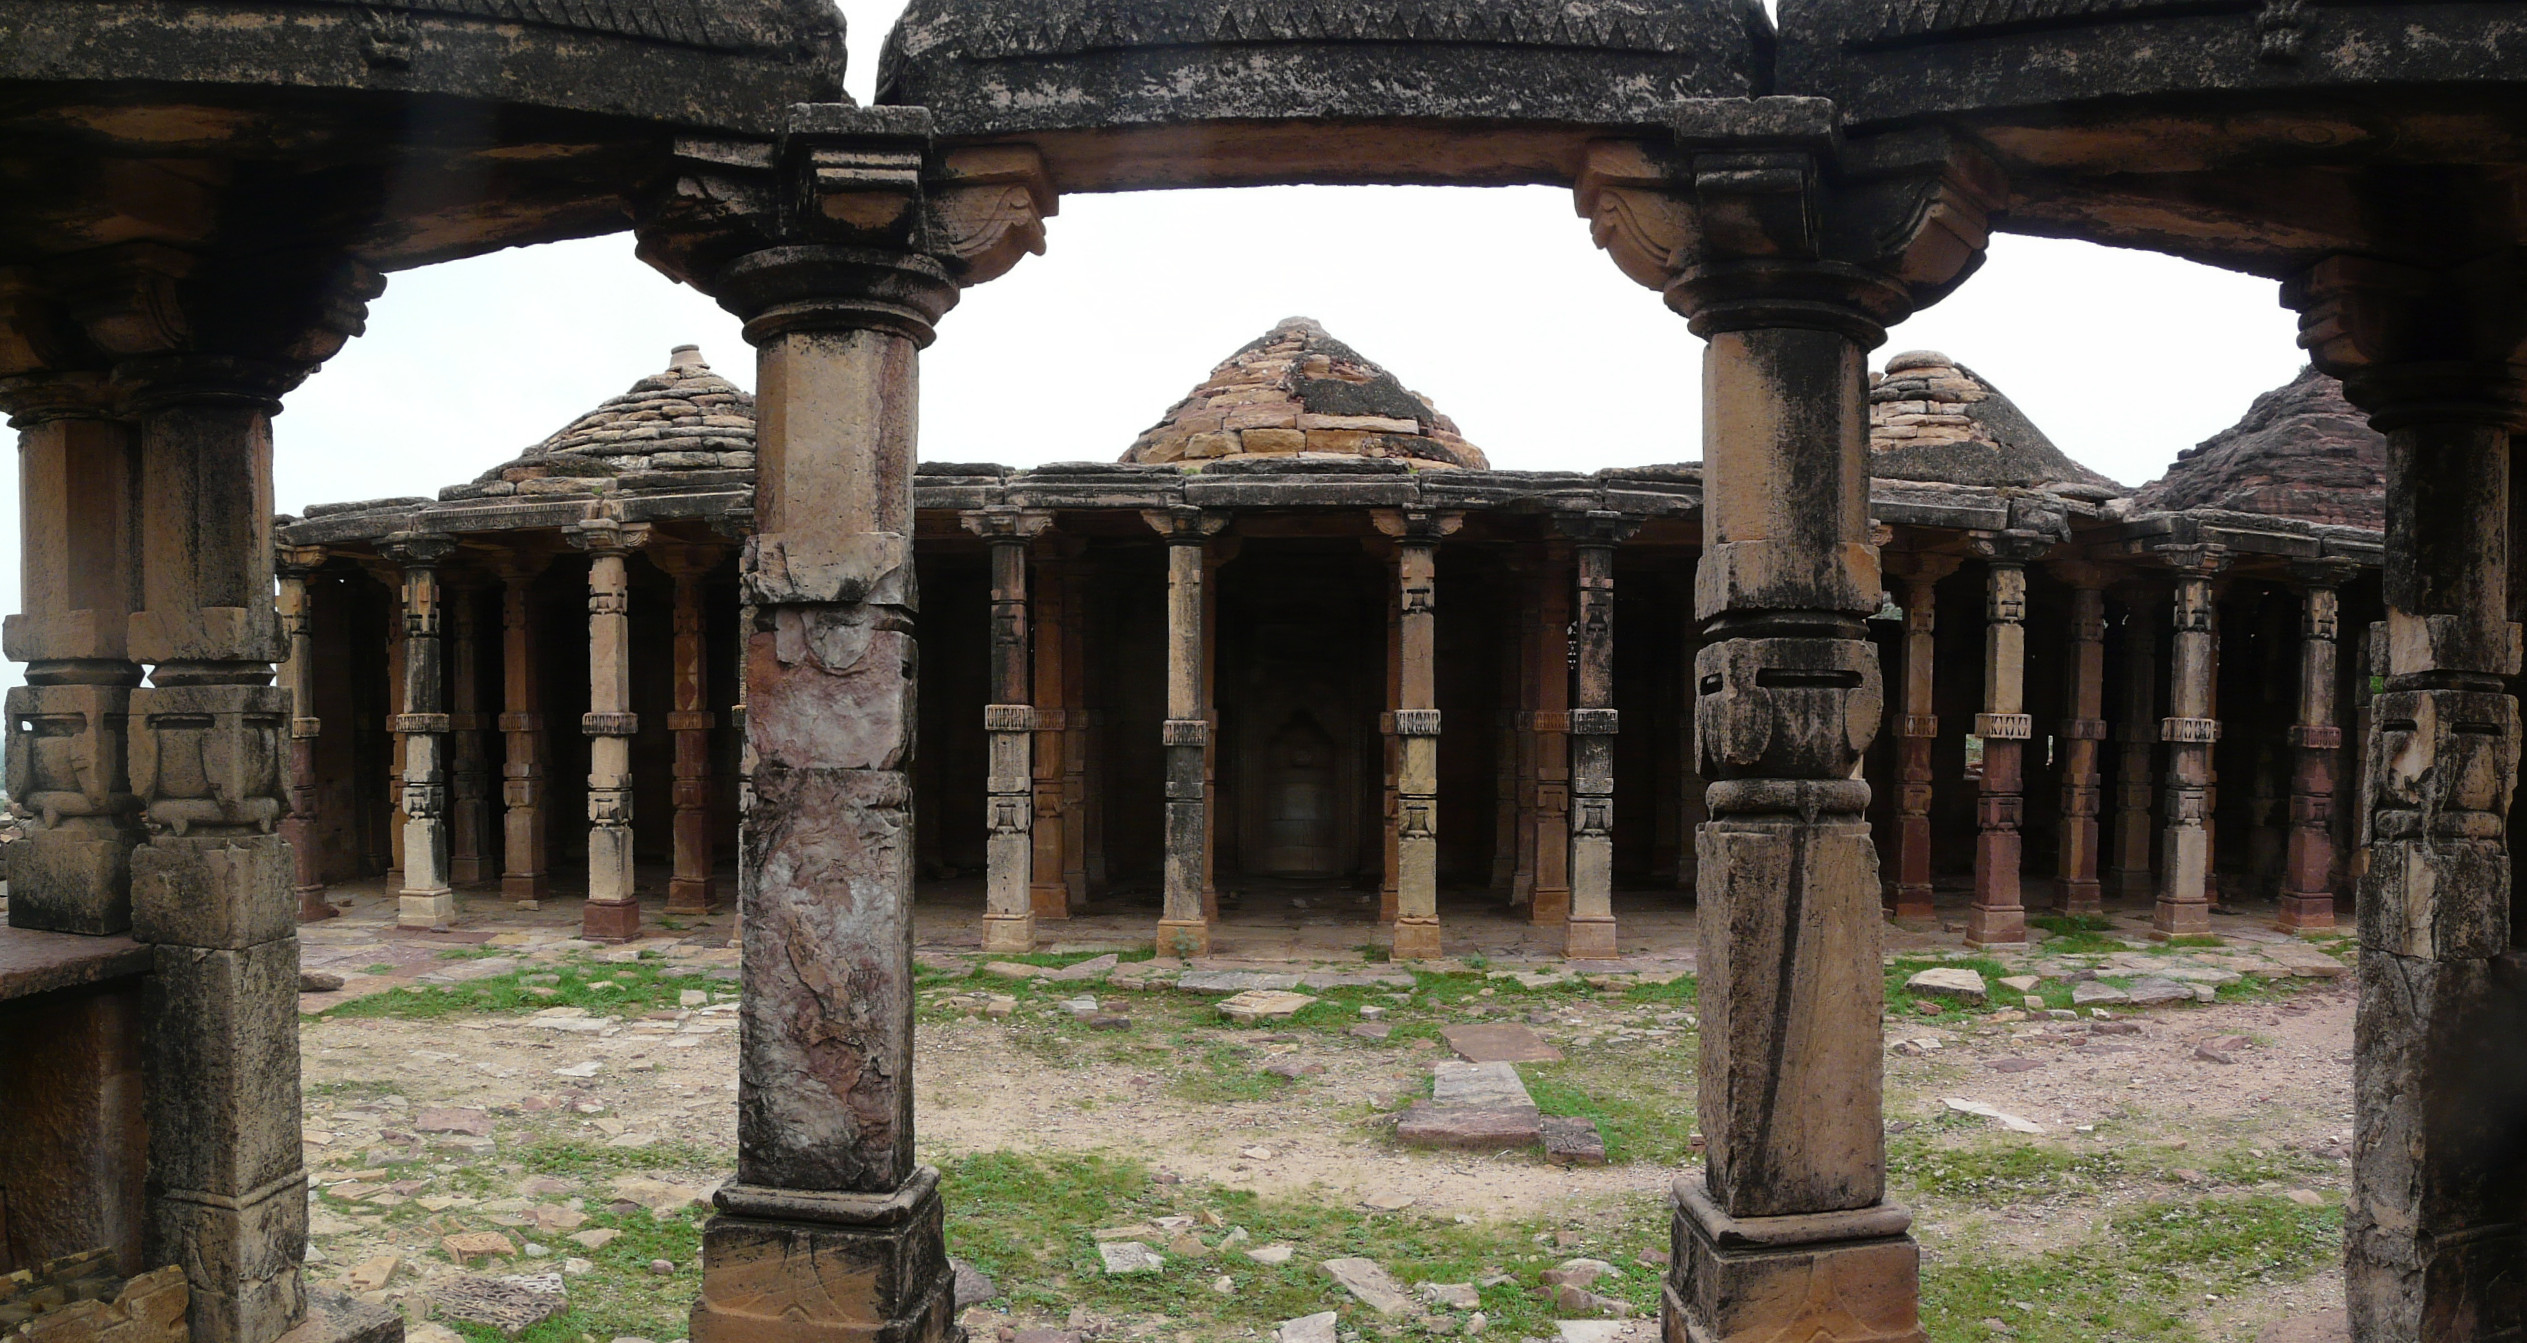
{"x":2129,"y":875}
{"x":1415,"y":817}
{"x":298,"y":676}
{"x":1215,"y":556}
{"x":426,"y":900}
{"x":2192,"y":725}
{"x":1009,"y":801}
{"x":1083,"y":751}
{"x":79,"y":583}
{"x":831,"y":1231}
{"x":1526,"y":672}
{"x":395,"y":676}
{"x":1053,"y":696}
{"x":690,"y":888}
{"x":524,"y":878}
{"x":1390,"y":751}
{"x":1998,"y":918}
{"x":2082,"y":733}
{"x":2307,"y":880}
{"x":613,"y":910}
{"x":1918,"y":731}
{"x":1549,"y":735}
{"x":1590,"y":932}
{"x":470,"y":858}
{"x":1791,"y":272}
{"x":1182,"y":928}
{"x":211,"y":891}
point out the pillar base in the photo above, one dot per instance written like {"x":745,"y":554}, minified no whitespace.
{"x":467,"y":872}
{"x":1588,"y":939}
{"x":1549,"y":907}
{"x":425,"y":909}
{"x":1415,"y":940}
{"x":1183,"y":937}
{"x":610,"y":920}
{"x":689,"y":895}
{"x":2082,"y":898}
{"x":1050,"y":902}
{"x":2181,"y":918}
{"x":1913,"y":902}
{"x":1009,"y":933}
{"x":1390,"y":905}
{"x":2131,"y":883}
{"x":784,"y":1266}
{"x":525,"y":892}
{"x":2001,"y":928}
{"x":1853,"y":1277}
{"x":2303,"y":912}
{"x":312,"y":905}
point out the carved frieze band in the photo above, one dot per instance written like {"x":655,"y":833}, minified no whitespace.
{"x":2202,"y":730}
{"x":2004,"y":726}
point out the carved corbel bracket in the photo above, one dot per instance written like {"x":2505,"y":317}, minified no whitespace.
{"x":1187,"y":525}
{"x":987,"y":208}
{"x":606,"y":536}
{"x":1005,"y":523}
{"x":2411,"y":342}
{"x":1426,"y":526}
{"x":1597,"y":527}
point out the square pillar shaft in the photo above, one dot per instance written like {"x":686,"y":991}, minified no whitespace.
{"x":1009,"y":725}
{"x":524,"y":880}
{"x":426,"y":899}
{"x":1551,"y":726}
{"x":1053,"y":698}
{"x":2083,"y":733}
{"x":1590,"y":932}
{"x":613,"y":912}
{"x":2316,"y":739}
{"x":1412,"y":836}
{"x":2129,"y":875}
{"x":691,"y":889}
{"x":471,"y":861}
{"x":1998,"y":917}
{"x":1917,"y":731}
{"x":298,"y":677}
{"x":1183,"y":927}
{"x":2189,"y":730}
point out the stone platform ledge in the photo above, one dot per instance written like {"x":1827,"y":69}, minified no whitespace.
{"x":828,"y":1209}
{"x":34,"y":962}
{"x":335,"y":1318}
{"x":1875,"y":1222}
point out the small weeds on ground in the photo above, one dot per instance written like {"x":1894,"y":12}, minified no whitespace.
{"x":2078,"y":934}
{"x":1637,"y":1123}
{"x":624,"y":989}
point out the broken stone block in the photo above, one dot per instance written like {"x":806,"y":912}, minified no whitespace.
{"x":1233,"y":981}
{"x":1256,"y":1005}
{"x":1317,"y":1328}
{"x":318,"y":981}
{"x":1270,"y":1255}
{"x":1452,"y":1295}
{"x":1087,"y":969}
{"x":1573,"y":1141}
{"x":2153,"y":991}
{"x":2097,"y":993}
{"x":1373,"y":1030}
{"x":2021,"y":983}
{"x":475,"y":1123}
{"x":1949,"y":982}
{"x":1369,"y":1282}
{"x":1502,"y":1042}
{"x":1013,"y":970}
{"x":470,"y":1245}
{"x":1125,"y":1257}
{"x":973,"y":1286}
{"x":511,"y":1303}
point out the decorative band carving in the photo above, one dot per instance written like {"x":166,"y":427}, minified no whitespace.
{"x":305,"y":728}
{"x":2316,"y":736}
{"x":1593,"y":722}
{"x":521,"y":722}
{"x":410,"y":723}
{"x":2083,"y":729}
{"x":691,"y":720}
{"x":2202,"y":730}
{"x":610,"y":724}
{"x":1009,"y":718}
{"x":1185,"y":732}
{"x":2004,"y":726}
{"x":1547,"y":720}
{"x":1416,"y":722}
{"x":1919,"y":725}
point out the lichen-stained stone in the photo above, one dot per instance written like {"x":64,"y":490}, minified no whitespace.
{"x":2301,"y":451}
{"x":800,"y":1281}
{"x":1295,"y":389}
{"x":1074,"y":67}
{"x":1933,"y":419}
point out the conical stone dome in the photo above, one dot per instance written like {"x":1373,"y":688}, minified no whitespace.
{"x":1933,"y":419}
{"x":1298,"y":392}
{"x":684,"y":419}
{"x":2301,"y":452}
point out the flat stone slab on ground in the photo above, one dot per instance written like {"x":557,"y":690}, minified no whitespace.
{"x":1263,"y":1005}
{"x":1949,"y":981}
{"x":1087,"y":969}
{"x":1385,"y":979}
{"x":1014,"y":970}
{"x":1478,"y":1084}
{"x":467,"y":1121}
{"x":511,"y":1303}
{"x":1573,"y":1141}
{"x":1317,"y":1328}
{"x":1368,"y":1280}
{"x":1472,"y":1105}
{"x":2097,"y":993}
{"x":1589,"y":1331}
{"x":1124,"y":1257}
{"x":1233,"y":981}
{"x":2153,"y":991}
{"x":1499,"y":1042}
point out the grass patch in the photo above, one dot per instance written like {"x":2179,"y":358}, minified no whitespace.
{"x":574,"y":1157}
{"x":1988,"y":1172}
{"x":1226,"y":1073}
{"x":1026,"y":1221}
{"x":1682,"y":991}
{"x":619,"y":1297}
{"x":1637,"y":1123}
{"x":625,"y":989}
{"x":2190,"y":940}
{"x":2134,"y":1280}
{"x":2078,"y":935}
{"x":1903,"y":1001}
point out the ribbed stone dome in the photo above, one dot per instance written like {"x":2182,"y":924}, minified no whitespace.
{"x":1933,"y":419}
{"x":684,"y":419}
{"x":1297,"y":392}
{"x":2302,"y":451}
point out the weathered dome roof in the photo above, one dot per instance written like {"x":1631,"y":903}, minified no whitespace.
{"x":685,"y":419}
{"x":999,"y":66}
{"x":2301,"y":452}
{"x":1933,"y":419}
{"x":1296,"y":391}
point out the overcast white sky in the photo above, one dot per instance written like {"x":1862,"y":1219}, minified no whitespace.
{"x":1492,"y":302}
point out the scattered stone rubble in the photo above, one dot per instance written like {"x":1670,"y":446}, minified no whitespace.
{"x":79,"y":1298}
{"x":1296,"y":390}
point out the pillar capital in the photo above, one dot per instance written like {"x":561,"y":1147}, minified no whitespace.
{"x":1920,"y":566}
{"x":606,"y":536}
{"x":684,"y":559}
{"x":1759,"y":213}
{"x":2196,"y":562}
{"x":2330,"y":572}
{"x":1596,"y":527}
{"x":299,"y":561}
{"x":2083,"y":575}
{"x":2015,"y":549}
{"x":1004,"y":523}
{"x":1186,"y":525}
{"x":418,"y":550}
{"x":1416,"y":525}
{"x":40,"y":398}
{"x":2415,"y":344}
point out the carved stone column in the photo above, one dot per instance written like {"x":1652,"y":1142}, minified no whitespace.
{"x":2082,"y":733}
{"x":2434,"y":1238}
{"x":1590,"y":933}
{"x":1790,"y":251}
{"x":1083,"y":750}
{"x":1390,"y":752}
{"x":426,"y":900}
{"x":1182,"y":929}
{"x":393,"y":582}
{"x":1998,"y":917}
{"x":2307,"y":880}
{"x":690,"y":887}
{"x":1919,"y":729}
{"x":613,"y":911}
{"x":2189,"y":730}
{"x":470,"y":858}
{"x":524,"y":876}
{"x":298,"y":676}
{"x":1009,"y":801}
{"x":79,"y":582}
{"x":212,"y":888}
{"x":1548,"y":731}
{"x":831,"y":1232}
{"x":2129,"y":875}
{"x":1053,"y":697}
{"x":1215,"y":556}
{"x":1415,"y":833}
{"x":1525,"y":673}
